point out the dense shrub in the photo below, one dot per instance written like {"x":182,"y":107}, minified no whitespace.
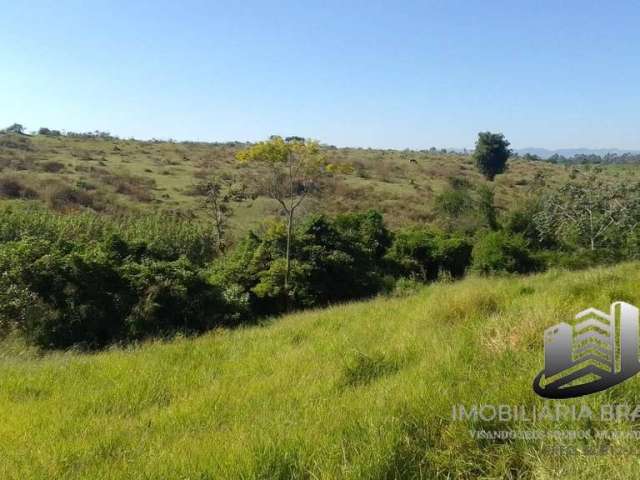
{"x":465,"y":210}
{"x":49,"y":132}
{"x":425,"y":254}
{"x":453,"y":202}
{"x":67,"y":293}
{"x":332,"y":261}
{"x":165,"y":237}
{"x":172,"y":296}
{"x":502,"y":252}
{"x":82,"y":292}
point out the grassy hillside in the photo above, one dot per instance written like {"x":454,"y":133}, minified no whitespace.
{"x":356,"y":391}
{"x":113,"y":175}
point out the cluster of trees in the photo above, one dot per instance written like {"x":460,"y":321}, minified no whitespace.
{"x":591,"y":214}
{"x":96,"y":134}
{"x":19,"y":129}
{"x":49,"y":132}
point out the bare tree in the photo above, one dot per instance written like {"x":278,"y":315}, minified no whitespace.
{"x":590,"y":212}
{"x":220,"y":193}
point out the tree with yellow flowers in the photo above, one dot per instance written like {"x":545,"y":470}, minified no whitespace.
{"x":294,"y":168}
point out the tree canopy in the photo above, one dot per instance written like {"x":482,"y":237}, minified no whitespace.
{"x":491,"y":154}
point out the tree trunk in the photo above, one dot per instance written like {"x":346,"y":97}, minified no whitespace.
{"x":220,"y":233}
{"x":288,"y":259}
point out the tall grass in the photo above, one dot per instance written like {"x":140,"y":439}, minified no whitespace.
{"x":359,"y":391}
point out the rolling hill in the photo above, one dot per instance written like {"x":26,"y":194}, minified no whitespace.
{"x":114,"y":175}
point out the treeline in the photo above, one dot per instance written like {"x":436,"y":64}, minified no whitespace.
{"x":585,"y":159}
{"x":593,"y":159}
{"x":19,"y":129}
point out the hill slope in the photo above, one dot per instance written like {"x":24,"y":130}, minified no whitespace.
{"x":115,"y":174}
{"x":360,"y":391}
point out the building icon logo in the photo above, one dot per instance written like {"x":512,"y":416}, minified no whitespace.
{"x":593,"y":353}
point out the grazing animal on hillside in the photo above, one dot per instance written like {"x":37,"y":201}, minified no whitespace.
{"x":413,"y":160}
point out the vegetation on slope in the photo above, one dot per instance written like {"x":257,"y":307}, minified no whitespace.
{"x":359,"y":391}
{"x":114,"y":175}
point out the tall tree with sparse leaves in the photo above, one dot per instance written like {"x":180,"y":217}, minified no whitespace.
{"x":491,"y":154}
{"x":294,"y":169}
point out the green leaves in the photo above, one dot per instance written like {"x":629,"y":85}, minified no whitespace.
{"x":91,"y":294}
{"x":491,"y":154}
{"x":503,"y":252}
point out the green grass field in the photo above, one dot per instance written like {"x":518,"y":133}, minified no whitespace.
{"x":358,"y":391}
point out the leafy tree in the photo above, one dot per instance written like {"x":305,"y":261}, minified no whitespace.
{"x":333,"y":260}
{"x":491,"y":154}
{"x":294,"y":169}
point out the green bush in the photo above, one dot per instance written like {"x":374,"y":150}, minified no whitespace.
{"x":503,"y":252}
{"x":165,"y":237}
{"x":82,"y":291}
{"x":67,"y":294}
{"x":169,"y":297}
{"x":332,"y":261}
{"x":424,"y":254}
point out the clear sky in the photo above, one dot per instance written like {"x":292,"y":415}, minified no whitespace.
{"x":402,"y":74}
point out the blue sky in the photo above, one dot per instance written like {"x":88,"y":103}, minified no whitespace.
{"x":382,"y":74}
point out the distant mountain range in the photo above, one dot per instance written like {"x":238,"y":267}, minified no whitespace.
{"x":570,"y":152}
